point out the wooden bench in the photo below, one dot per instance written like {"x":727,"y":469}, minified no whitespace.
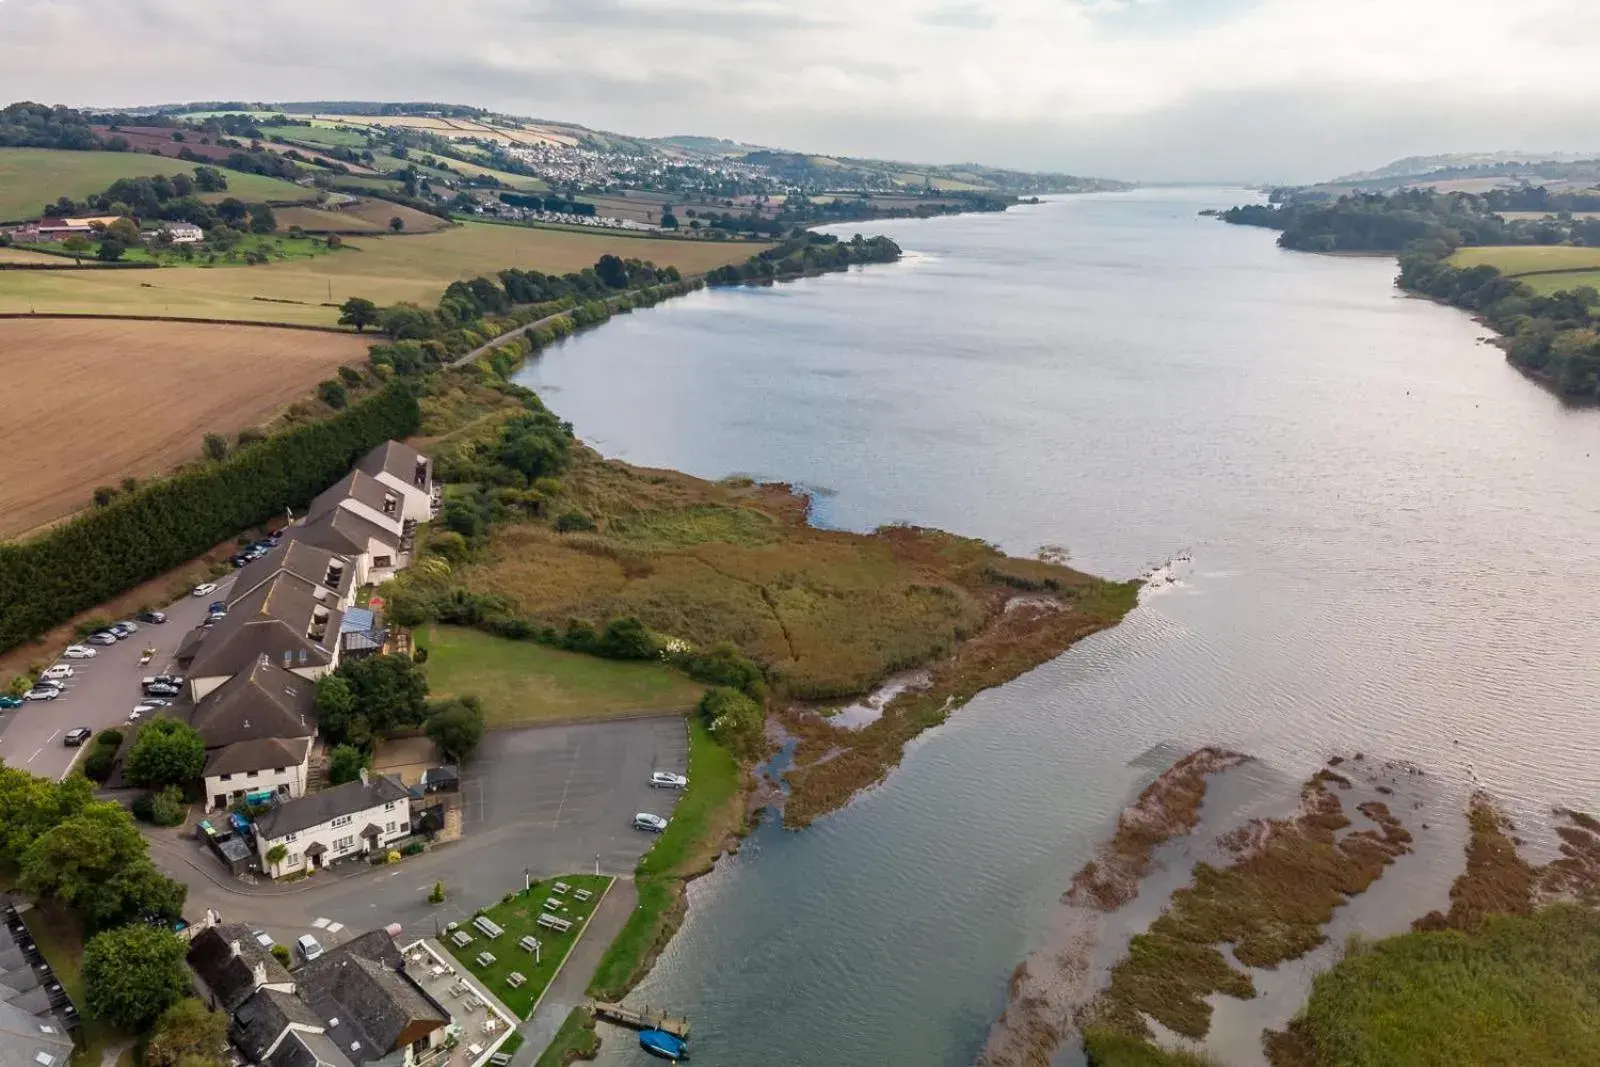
{"x":488,"y":927}
{"x":516,"y":980}
{"x":583,"y":894}
{"x":555,"y":922}
{"x":529,"y":943}
{"x":461,"y":938}
{"x":560,"y":889}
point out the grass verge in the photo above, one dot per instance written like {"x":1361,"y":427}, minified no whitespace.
{"x":519,"y":918}
{"x":521,"y":682}
{"x":576,"y":1040}
{"x":710,"y":815}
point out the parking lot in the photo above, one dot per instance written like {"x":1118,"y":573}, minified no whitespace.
{"x":100,"y":692}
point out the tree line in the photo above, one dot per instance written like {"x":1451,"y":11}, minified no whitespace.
{"x":1551,"y":337}
{"x":548,"y":203}
{"x":806,"y":252}
{"x":145,"y":533}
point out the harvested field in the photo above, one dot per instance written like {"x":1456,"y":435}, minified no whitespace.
{"x":1523,"y":259}
{"x":134,"y":399}
{"x":385,"y":269}
{"x":1546,"y":284}
{"x":367,"y":215}
{"x":32,"y":177}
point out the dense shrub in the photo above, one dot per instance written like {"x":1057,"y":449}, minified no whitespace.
{"x":146,"y":533}
{"x":573,"y":522}
{"x":736,"y":721}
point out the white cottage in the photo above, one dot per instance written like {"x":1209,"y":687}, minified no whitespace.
{"x":353,"y":819}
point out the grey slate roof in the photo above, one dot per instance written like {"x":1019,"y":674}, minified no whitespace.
{"x":307,"y":1050}
{"x":399,"y":460}
{"x":267,"y":754}
{"x":231,"y":963}
{"x":341,"y":530}
{"x":262,"y":1018}
{"x":24,"y":1040}
{"x":298,"y":558}
{"x":318,"y":808}
{"x":361,"y":487}
{"x":272,"y":620}
{"x":378,"y":1009}
{"x":261,"y":702}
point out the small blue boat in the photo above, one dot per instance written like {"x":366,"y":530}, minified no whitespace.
{"x":660,"y":1043}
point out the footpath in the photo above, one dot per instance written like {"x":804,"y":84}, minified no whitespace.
{"x":568,"y":990}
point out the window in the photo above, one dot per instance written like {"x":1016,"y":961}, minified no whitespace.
{"x":277,"y":770}
{"x":343,"y":843}
{"x":388,"y":828}
{"x":290,"y":836}
{"x":383,"y":561}
{"x":46,"y":1029}
{"x":292,"y":860}
{"x":253,"y":774}
{"x":341,"y":820}
{"x":389,"y":806}
{"x":225,"y":778}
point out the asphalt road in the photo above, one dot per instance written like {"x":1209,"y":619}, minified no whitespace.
{"x":100,"y":693}
{"x":544,"y":799}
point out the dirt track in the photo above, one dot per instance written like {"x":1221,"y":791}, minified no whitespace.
{"x":89,"y":403}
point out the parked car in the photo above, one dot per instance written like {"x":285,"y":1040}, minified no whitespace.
{"x":216,"y":616}
{"x":204,"y":589}
{"x":119,"y":631}
{"x":162,"y":689}
{"x":42,"y":692}
{"x":219,"y":605}
{"x":263,"y":939}
{"x":667,"y":780}
{"x":10,"y":702}
{"x":76,"y":736}
{"x":80,"y":652}
{"x":129,"y":625}
{"x":308,"y":947}
{"x":653,"y":823}
{"x":50,"y":683}
{"x":161,"y":679}
{"x":238,"y":560}
{"x":156,"y":702}
{"x":135,"y":715}
{"x":157,"y":617}
{"x":104,"y":637}
{"x":144,"y":707}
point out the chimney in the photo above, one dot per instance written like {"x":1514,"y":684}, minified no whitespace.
{"x":259,"y":972}
{"x":364,"y":777}
{"x":235,"y":946}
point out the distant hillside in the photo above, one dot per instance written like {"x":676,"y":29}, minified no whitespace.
{"x":1413,"y":166}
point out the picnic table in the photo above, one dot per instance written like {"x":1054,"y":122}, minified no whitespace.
{"x":560,"y":888}
{"x":486,"y":959}
{"x":529,"y":943}
{"x":583,"y":894}
{"x":552,"y":904}
{"x":461,"y":938}
{"x":555,"y":922}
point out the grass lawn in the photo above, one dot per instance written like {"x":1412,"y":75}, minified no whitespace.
{"x":520,"y":919}
{"x":414,"y":267}
{"x":523,"y":682}
{"x":576,"y":1040}
{"x":711,"y":810}
{"x":330,"y":136}
{"x":1520,"y":259}
{"x":30,"y":178}
{"x":277,"y":247}
{"x":1522,"y":989}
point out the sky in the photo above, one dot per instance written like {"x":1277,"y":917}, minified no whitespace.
{"x":1153,"y":90}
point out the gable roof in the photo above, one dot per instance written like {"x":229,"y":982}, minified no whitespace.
{"x":300,"y":558}
{"x":262,"y":701}
{"x":273,"y":620}
{"x":398,"y":460}
{"x":360,"y":487}
{"x":24,"y":1042}
{"x":231,"y":963}
{"x":377,"y":1009}
{"x":341,"y":530}
{"x":271,"y":753}
{"x":262,"y":1018}
{"x":314,"y":809}
{"x":301,"y":1049}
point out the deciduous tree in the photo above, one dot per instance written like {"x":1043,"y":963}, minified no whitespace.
{"x":132,"y":974}
{"x":358,"y":312}
{"x":456,"y":728}
{"x":167,"y":752}
{"x":187,"y":1029}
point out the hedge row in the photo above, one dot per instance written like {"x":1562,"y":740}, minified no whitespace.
{"x":143,"y":534}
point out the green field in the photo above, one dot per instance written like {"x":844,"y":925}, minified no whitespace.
{"x":1545,"y":284}
{"x":519,"y":919}
{"x":522,"y":682}
{"x":414,"y":267}
{"x":1520,"y":990}
{"x":30,"y":178}
{"x":1522,"y":259}
{"x":328,"y":136}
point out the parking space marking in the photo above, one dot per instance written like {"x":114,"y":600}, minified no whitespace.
{"x":572,"y":769}
{"x":334,"y":927}
{"x":320,"y":923}
{"x":40,"y":749}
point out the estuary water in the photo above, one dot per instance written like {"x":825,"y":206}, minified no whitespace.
{"x":1387,"y":540}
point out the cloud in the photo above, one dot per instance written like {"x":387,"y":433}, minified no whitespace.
{"x":1143,"y":88}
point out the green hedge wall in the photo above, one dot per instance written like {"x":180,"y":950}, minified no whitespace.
{"x":139,"y":536}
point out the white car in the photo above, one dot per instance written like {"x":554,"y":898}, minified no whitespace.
{"x":60,"y":670}
{"x":668,"y":780}
{"x":653,"y":823}
{"x":309,"y":948}
{"x":263,"y":939}
{"x":80,"y":652}
{"x":41,"y":692}
{"x":204,"y":589}
{"x":104,"y":637}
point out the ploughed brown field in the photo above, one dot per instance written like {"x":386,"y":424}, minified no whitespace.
{"x":95,"y":402}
